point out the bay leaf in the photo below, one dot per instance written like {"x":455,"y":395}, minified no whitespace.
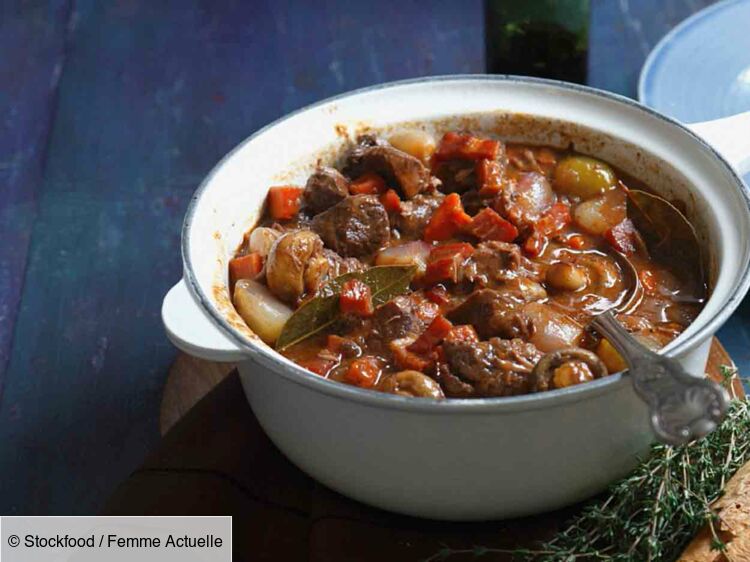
{"x":320,"y":312}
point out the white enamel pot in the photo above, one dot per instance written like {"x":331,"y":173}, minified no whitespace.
{"x":461,"y":459}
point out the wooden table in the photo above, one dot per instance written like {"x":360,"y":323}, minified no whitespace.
{"x":110,"y":115}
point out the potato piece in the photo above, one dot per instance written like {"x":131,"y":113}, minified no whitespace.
{"x":414,"y":142}
{"x":598,"y":215}
{"x":584,"y":177}
{"x":263,"y":313}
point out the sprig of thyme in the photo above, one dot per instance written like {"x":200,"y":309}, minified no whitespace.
{"x":653,"y":513}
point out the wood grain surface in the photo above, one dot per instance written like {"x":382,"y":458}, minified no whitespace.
{"x":110,"y":115}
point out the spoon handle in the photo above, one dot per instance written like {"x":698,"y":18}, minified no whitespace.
{"x":682,"y":407}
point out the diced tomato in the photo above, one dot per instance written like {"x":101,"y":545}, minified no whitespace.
{"x":448,"y":219}
{"x":488,"y":225}
{"x":552,"y":222}
{"x":648,"y":281}
{"x":489,"y":177}
{"x":245,"y":267}
{"x":391,"y":201}
{"x":433,"y":335}
{"x":284,"y":201}
{"x":622,"y":237}
{"x":356,"y":298}
{"x":466,"y":147}
{"x":406,"y":359}
{"x":318,"y":365}
{"x":363,"y":372}
{"x":576,"y":241}
{"x":438,"y":295}
{"x":445,"y":261}
{"x":368,"y":184}
{"x":464,"y":332}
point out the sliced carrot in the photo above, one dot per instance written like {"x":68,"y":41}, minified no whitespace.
{"x":368,"y":184}
{"x":466,"y":147}
{"x":391,"y":201}
{"x":245,"y":267}
{"x":284,"y":201}
{"x":489,"y":177}
{"x":447,"y":220}
{"x":432,"y":336}
{"x":356,"y":298}
{"x":488,"y":225}
{"x":363,"y":372}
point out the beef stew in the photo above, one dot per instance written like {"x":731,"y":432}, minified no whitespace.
{"x":467,"y":267}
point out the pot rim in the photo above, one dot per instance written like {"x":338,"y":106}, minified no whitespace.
{"x":298,"y":375}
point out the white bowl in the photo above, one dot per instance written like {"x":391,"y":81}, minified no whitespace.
{"x":458,"y":459}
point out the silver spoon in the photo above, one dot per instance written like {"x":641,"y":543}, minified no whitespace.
{"x":682,"y":407}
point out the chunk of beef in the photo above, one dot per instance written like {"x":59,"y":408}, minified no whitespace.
{"x":328,"y":265}
{"x":395,"y":166}
{"x":495,"y":367}
{"x":473,"y":202}
{"x":526,"y":197}
{"x":402,"y":317}
{"x":354,"y":227}
{"x":456,"y":176}
{"x":488,"y":309}
{"x":492,"y":262}
{"x":415,"y":213}
{"x":324,"y":188}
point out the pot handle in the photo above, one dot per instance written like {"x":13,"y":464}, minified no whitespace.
{"x":192,"y":331}
{"x":730,"y":136}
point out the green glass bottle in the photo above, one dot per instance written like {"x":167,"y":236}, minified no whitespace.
{"x":545,"y":38}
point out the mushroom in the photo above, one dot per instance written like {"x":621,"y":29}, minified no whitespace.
{"x":566,"y":367}
{"x":412,"y":383}
{"x":287,"y":261}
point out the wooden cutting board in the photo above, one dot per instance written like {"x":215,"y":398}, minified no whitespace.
{"x":190,"y":379}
